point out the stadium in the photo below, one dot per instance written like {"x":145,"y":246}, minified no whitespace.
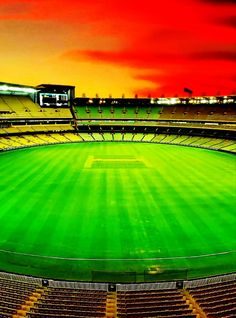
{"x":116,"y":207}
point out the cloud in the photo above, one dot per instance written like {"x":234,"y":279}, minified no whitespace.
{"x":15,"y":9}
{"x":145,"y":59}
{"x":201,"y":82}
{"x":134,"y":58}
{"x":215,"y":55}
{"x":227,"y":21}
{"x":163,"y":43}
{"x":221,"y":2}
{"x":209,"y":71}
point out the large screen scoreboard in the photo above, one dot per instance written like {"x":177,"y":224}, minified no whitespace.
{"x":53,"y":100}
{"x":56,"y":96}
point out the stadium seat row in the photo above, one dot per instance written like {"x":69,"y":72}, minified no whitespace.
{"x":32,"y":300}
{"x":18,"y":141}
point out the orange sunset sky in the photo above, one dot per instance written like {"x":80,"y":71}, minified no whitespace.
{"x":148,"y":47}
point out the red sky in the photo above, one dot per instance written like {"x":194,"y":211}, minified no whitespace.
{"x":148,"y":47}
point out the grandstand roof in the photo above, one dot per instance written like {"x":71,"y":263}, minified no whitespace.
{"x":55,"y":86}
{"x":16,"y":89}
{"x":15,"y":85}
{"x":58,"y":89}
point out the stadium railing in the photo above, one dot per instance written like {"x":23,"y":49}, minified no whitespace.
{"x":112,"y":270}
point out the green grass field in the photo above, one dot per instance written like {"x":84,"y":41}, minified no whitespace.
{"x":117,"y":212}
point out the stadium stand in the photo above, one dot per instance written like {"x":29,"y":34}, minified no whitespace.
{"x":137,"y":137}
{"x":22,"y":140}
{"x":73,"y":137}
{"x":107,"y":136}
{"x":13,"y":142}
{"x":161,"y":303}
{"x":216,"y":300}
{"x":189,"y":122}
{"x":118,"y":137}
{"x":190,"y":109}
{"x":87,"y":137}
{"x":17,"y":297}
{"x":128,"y":137}
{"x":148,"y":137}
{"x":202,"y":112}
{"x":70,"y":303}
{"x":16,"y":107}
{"x":26,"y":297}
{"x":98,"y":136}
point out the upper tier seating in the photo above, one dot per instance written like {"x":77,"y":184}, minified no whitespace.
{"x":199,"y":112}
{"x":118,"y":112}
{"x":23,"y":107}
{"x":176,"y":112}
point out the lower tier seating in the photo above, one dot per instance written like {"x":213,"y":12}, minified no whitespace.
{"x":163,"y":303}
{"x":29,"y":299}
{"x":216,"y":300}
{"x":19,"y":129}
{"x":15,"y":297}
{"x":23,"y":140}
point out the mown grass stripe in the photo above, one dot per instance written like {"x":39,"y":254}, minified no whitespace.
{"x":174,"y":206}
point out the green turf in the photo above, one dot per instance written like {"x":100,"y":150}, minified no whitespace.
{"x":82,"y":211}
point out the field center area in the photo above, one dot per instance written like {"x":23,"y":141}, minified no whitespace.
{"x":87,"y":211}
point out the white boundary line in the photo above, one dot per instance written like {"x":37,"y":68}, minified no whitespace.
{"x":118,"y":259}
